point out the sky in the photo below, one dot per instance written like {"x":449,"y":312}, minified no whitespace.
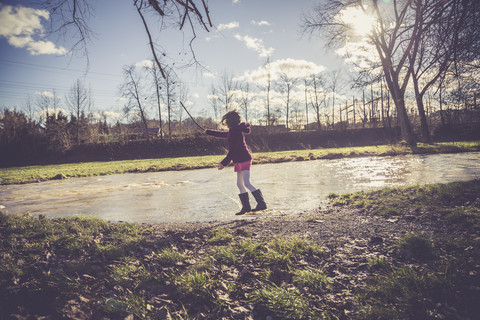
{"x":245,"y":34}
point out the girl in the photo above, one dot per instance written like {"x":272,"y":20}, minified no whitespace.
{"x":242,"y":158}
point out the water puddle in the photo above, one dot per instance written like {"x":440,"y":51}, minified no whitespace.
{"x":209,"y":194}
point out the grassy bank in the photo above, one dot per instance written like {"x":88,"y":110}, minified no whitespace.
{"x":87,"y":268}
{"x":20,"y":175}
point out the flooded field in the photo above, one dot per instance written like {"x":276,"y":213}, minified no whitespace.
{"x":209,"y":194}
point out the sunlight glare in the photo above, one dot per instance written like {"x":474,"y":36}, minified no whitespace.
{"x":360,"y":22}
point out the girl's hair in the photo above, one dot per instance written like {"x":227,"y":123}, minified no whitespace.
{"x":231,"y":118}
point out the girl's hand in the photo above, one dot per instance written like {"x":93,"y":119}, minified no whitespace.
{"x":220,"y":166}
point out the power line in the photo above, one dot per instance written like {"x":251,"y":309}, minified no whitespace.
{"x":24,"y":64}
{"x":29,"y":85}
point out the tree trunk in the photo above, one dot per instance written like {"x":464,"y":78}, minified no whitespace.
{"x":405,"y":126}
{"x":421,"y":112}
{"x":144,"y":119}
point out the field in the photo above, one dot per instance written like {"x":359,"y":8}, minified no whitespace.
{"x":20,"y":175}
{"x":394,"y":253}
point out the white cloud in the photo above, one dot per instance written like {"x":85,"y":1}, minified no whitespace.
{"x":260,"y":23}
{"x":19,"y":25}
{"x":293,"y":68}
{"x":111,"y":114}
{"x":44,"y":47}
{"x":212,"y":96}
{"x":358,"y":54}
{"x":235,"y":1}
{"x":228,"y":26}
{"x":209,"y":75}
{"x":46,"y":94}
{"x":144,"y":64}
{"x":255,"y":44}
{"x":50,"y":112}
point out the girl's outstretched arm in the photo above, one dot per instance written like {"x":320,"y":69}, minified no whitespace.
{"x":217,"y":133}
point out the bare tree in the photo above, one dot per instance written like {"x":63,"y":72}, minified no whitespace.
{"x":416,"y":39}
{"x":393,"y":37}
{"x":133,"y":91}
{"x":285,"y":84}
{"x":70,"y":18}
{"x":78,"y":101}
{"x":170,"y":85}
{"x":157,"y":82}
{"x":183,"y":97}
{"x":214,"y":101}
{"x":225,"y":90}
{"x":317,"y":100}
{"x":245,"y":98}
{"x":335,"y":82}
{"x":267,"y":88}
{"x":306,"y":84}
{"x":444,"y":44}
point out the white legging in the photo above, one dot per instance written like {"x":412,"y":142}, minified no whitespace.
{"x":243,"y":180}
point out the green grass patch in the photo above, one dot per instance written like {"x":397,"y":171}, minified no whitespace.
{"x":458,"y":200}
{"x":170,"y":257}
{"x":127,"y":302}
{"x":279,"y":252}
{"x":226,"y":255}
{"x":312,"y":279}
{"x":29,"y":174}
{"x":405,"y":293}
{"x":282,"y":302}
{"x":129,"y":273}
{"x":249,"y":248}
{"x":415,"y":246}
{"x":197,"y":286}
{"x":377,"y":263}
{"x":73,"y":238}
{"x":220,"y":235}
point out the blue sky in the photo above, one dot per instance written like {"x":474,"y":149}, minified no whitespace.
{"x":245,"y":33}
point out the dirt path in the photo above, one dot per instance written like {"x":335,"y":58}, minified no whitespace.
{"x":349,"y":236}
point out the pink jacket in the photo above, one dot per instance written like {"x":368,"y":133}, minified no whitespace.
{"x":237,"y":148}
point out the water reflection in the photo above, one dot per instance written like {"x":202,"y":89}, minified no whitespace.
{"x":209,"y":194}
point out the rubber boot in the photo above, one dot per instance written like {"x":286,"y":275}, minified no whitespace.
{"x":261,"y":205}
{"x":245,"y":204}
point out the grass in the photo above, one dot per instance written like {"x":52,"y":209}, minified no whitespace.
{"x":377,"y":262}
{"x":458,"y":201}
{"x":284,"y":303}
{"x":312,"y":279}
{"x":118,"y":270}
{"x":415,"y":246}
{"x":226,"y":255}
{"x":431,"y":275}
{"x":170,"y":257}
{"x":197,"y":286}
{"x":126,"y":303}
{"x":20,"y":175}
{"x":219,"y":236}
{"x":129,"y":272}
{"x":403,"y":288}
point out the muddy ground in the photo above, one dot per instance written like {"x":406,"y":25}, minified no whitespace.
{"x":350,"y":238}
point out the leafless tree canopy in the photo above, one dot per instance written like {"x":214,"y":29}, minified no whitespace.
{"x":411,"y":38}
{"x":71,"y":19}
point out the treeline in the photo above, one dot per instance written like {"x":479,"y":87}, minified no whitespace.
{"x":24,"y":140}
{"x":62,"y":139}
